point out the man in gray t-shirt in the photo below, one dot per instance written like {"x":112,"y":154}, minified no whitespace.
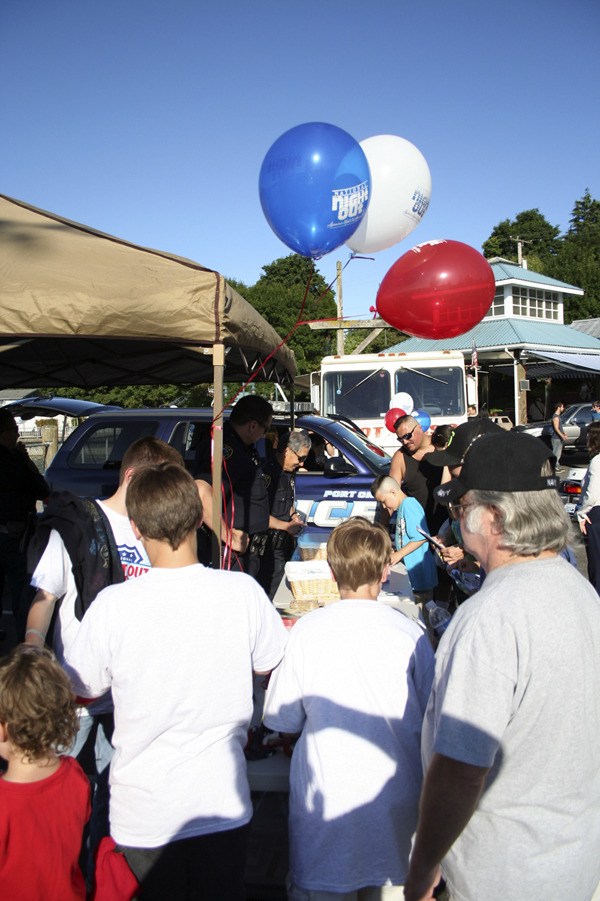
{"x":511,"y":801}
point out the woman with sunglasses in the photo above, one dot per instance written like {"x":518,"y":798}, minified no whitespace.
{"x":284,"y":522}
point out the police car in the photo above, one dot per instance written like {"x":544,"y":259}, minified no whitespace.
{"x":334,"y":485}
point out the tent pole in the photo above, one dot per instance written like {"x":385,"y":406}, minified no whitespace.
{"x":218,"y":400}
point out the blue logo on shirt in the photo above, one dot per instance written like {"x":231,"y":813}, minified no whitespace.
{"x":129,"y":555}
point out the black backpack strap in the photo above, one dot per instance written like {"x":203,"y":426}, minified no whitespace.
{"x":101,"y":564}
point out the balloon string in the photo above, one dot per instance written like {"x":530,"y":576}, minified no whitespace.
{"x":299,"y":322}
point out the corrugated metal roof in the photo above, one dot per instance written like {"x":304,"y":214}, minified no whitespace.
{"x":589,"y":326}
{"x":506,"y":332}
{"x":510,"y":271}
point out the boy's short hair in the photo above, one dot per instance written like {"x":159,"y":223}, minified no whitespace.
{"x":148,"y":451}
{"x":383,"y":485}
{"x":37,"y":704}
{"x":357,"y":552}
{"x":164,"y":503}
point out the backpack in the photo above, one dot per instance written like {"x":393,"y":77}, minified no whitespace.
{"x":88,"y":540}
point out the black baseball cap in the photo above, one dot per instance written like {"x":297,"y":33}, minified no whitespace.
{"x":503,"y":461}
{"x":461,"y":440}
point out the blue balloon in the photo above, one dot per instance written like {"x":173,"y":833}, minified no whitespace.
{"x":314,"y":187}
{"x":423,"y":418}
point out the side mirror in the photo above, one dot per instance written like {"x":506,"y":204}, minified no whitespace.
{"x":338,"y":466}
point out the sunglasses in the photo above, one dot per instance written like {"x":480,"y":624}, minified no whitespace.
{"x":407,"y":436}
{"x":302,"y":458}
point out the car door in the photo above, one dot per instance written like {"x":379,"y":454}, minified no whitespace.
{"x":340,"y":486}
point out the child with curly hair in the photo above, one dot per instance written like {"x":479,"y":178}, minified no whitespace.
{"x":44,"y":797}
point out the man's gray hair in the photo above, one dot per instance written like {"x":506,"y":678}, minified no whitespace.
{"x":530,"y":521}
{"x":297,"y":440}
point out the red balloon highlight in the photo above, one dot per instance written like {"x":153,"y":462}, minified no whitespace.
{"x":392,"y":416}
{"x":439,"y":289}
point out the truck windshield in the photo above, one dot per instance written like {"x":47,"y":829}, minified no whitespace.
{"x":366,"y":393}
{"x":356,"y":393}
{"x":437,"y":390}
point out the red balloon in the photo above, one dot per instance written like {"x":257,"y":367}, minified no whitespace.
{"x":439,"y":289}
{"x":392,"y":416}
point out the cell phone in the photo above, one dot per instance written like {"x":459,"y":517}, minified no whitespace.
{"x":432,"y":541}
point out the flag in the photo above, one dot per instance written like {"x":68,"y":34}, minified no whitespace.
{"x":474,"y":357}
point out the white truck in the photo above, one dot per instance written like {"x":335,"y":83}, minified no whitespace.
{"x":362,"y":387}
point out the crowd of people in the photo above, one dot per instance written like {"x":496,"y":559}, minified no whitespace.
{"x":478,"y":763}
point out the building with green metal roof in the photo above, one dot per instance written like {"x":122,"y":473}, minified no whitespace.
{"x":523,"y":334}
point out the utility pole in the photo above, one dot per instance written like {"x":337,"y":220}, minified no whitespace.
{"x":340,"y":313}
{"x":519,"y":241}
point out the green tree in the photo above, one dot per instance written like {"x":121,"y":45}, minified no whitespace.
{"x":130,"y":396}
{"x":388,"y":338}
{"x":278,"y":295}
{"x":578,"y":259}
{"x":531,"y":226}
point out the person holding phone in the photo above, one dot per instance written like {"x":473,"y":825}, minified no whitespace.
{"x":411,"y":548}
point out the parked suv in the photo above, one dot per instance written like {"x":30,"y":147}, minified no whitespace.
{"x":335,"y":487}
{"x":575,"y":421}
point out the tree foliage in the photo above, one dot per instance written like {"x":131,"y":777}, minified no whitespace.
{"x":278,"y":296}
{"x":573,"y":258}
{"x":578,"y":259}
{"x":388,"y":338}
{"x":530,"y":226}
{"x":129,"y":396}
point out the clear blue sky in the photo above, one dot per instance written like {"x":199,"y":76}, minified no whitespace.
{"x":149,"y":119}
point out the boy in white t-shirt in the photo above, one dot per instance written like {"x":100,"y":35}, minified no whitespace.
{"x":178,"y":649}
{"x":354,"y":682}
{"x":59,"y":592}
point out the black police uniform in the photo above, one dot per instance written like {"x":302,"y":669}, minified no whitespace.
{"x":246,"y":498}
{"x":21,"y":485}
{"x":280,"y":544}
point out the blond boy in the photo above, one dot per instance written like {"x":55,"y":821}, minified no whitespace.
{"x":354,"y":683}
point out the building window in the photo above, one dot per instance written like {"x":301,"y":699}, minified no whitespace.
{"x":535,"y":304}
{"x":497,"y":307}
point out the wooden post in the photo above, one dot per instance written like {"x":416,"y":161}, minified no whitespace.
{"x":217,"y":471}
{"x":340,"y":309}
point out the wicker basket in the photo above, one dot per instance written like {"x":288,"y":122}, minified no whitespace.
{"x":311,"y":584}
{"x":313,"y":552}
{"x":319,"y":590}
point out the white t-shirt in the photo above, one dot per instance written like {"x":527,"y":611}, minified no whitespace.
{"x":54,"y":574}
{"x":517,"y":689}
{"x":355,"y":679}
{"x":178,"y":648}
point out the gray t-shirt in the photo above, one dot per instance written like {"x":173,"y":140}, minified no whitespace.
{"x":517,"y":688}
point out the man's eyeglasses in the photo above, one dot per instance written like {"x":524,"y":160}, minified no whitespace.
{"x":455,"y":510}
{"x":407,"y":436}
{"x":261,"y":425}
{"x":301,"y":458}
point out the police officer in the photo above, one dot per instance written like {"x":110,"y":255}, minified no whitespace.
{"x":284,"y":521}
{"x":21,"y":485}
{"x":244,"y":485}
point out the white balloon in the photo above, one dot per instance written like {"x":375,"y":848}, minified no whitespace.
{"x":404,"y":401}
{"x":400,"y":192}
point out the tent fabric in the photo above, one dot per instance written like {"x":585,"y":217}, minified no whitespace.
{"x":82,"y":308}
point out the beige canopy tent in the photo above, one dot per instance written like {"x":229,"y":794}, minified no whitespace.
{"x":82,"y":308}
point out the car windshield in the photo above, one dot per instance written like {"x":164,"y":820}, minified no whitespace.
{"x":345,"y":438}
